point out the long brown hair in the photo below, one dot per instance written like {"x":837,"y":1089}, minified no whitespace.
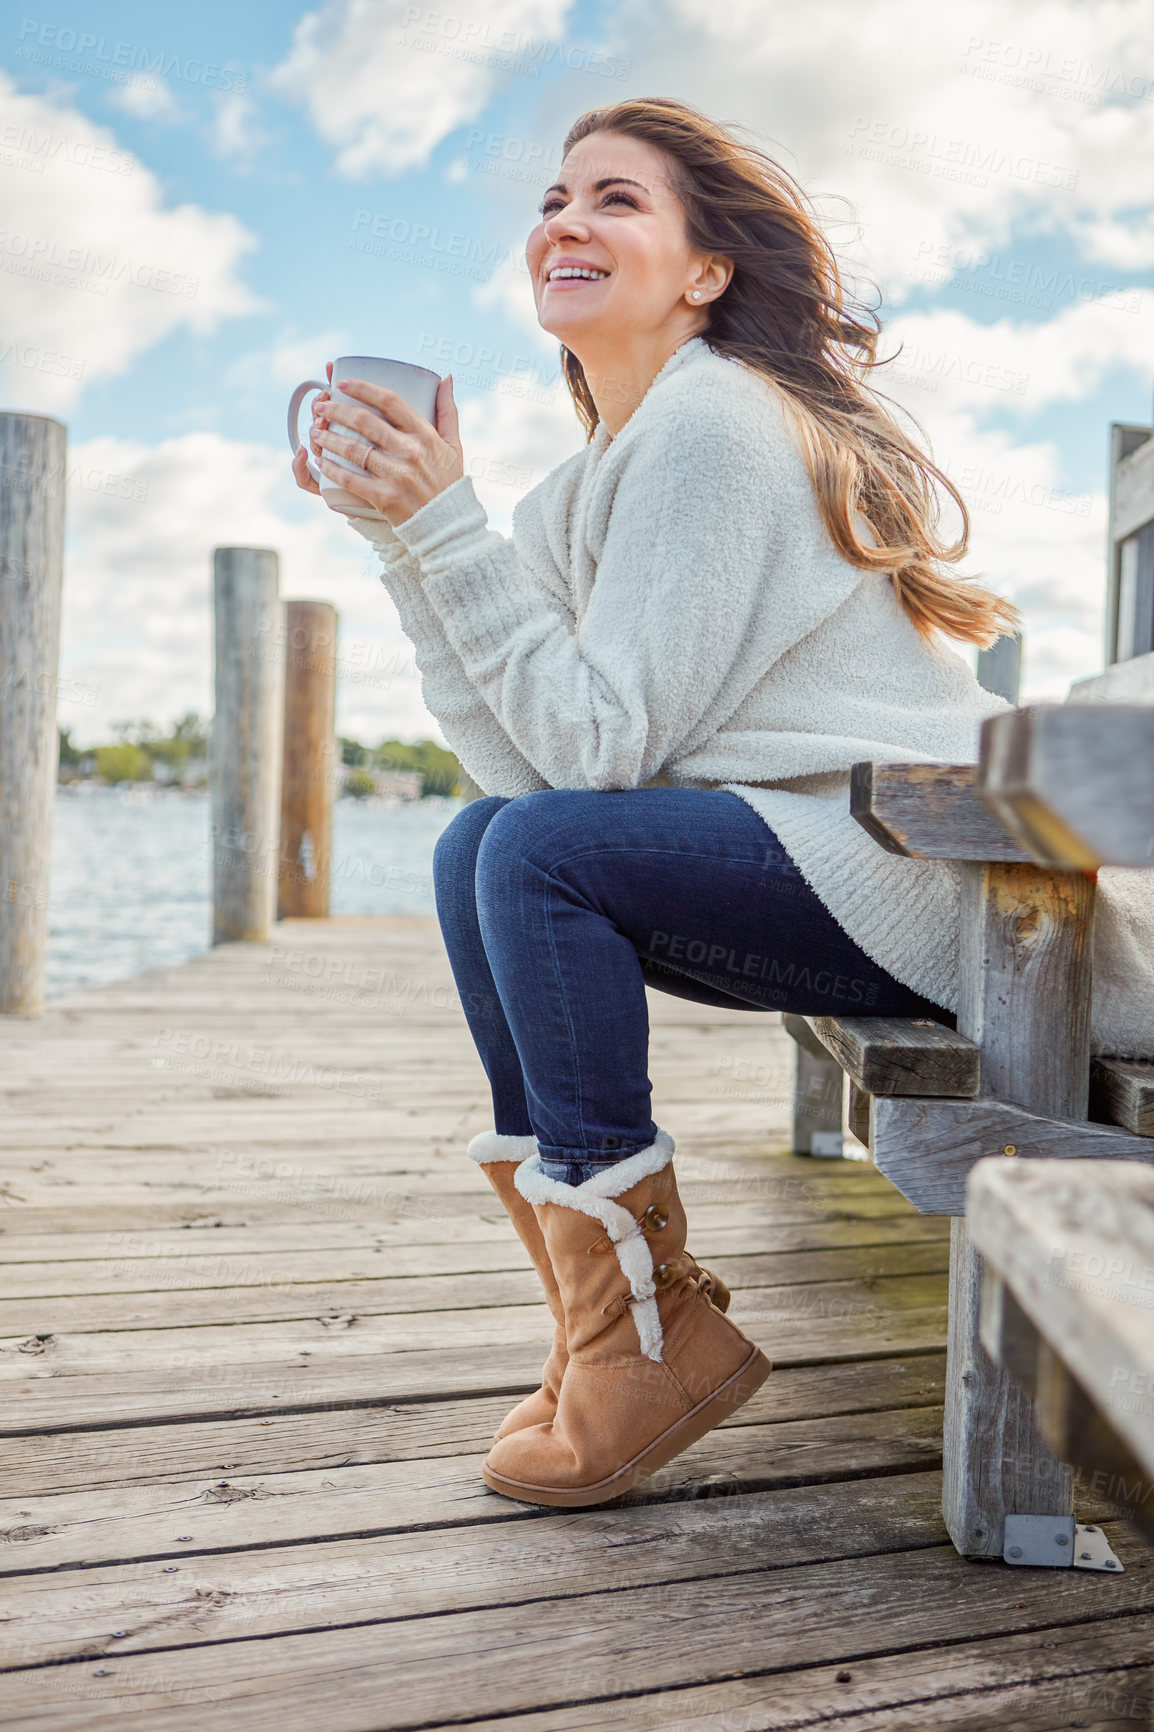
{"x":786,"y":314}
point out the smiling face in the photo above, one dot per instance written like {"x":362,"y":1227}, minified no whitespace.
{"x":613,"y":211}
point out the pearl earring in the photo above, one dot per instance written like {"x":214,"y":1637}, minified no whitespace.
{"x":697,"y":294}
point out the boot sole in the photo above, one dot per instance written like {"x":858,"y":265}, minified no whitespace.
{"x":733,"y":1393}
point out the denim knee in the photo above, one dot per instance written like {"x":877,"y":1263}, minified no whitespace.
{"x":456,"y":847}
{"x":530,"y":827}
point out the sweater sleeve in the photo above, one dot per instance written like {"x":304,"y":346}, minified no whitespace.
{"x":683,"y":617}
{"x":467,"y":722}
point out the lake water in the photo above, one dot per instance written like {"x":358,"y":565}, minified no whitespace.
{"x":131,"y":875}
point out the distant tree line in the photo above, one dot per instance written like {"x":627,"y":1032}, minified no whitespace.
{"x":439,"y":769}
{"x":142,"y":752}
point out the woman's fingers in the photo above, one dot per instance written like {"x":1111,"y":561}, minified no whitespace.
{"x":388,"y":403}
{"x":355,"y":481}
{"x":302,"y":474}
{"x":355,"y":450}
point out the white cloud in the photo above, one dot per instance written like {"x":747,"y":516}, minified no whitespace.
{"x":147,"y":99}
{"x":137,"y":628}
{"x":285,"y":363}
{"x":95,"y":267}
{"x":235,"y":133}
{"x":949,"y":361}
{"x":976,"y":121}
{"x":384,"y":87}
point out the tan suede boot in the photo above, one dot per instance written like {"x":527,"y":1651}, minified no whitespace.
{"x":653,"y":1363}
{"x":498,"y":1157}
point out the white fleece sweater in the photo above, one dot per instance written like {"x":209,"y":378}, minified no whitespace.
{"x":670,"y":610}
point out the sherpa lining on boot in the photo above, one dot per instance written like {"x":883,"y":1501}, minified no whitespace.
{"x":594,"y":1198}
{"x":489,"y":1146}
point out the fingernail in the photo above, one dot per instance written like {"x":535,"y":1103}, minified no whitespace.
{"x":342,"y":384}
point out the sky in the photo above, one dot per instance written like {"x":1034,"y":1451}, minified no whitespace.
{"x":203,"y":205}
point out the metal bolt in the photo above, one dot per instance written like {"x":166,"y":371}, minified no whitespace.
{"x":183,"y":1537}
{"x":1062,"y":1539}
{"x":117,"y":1634}
{"x":170,"y":1569}
{"x":1015,"y":1551}
{"x":1084,"y":1556}
{"x":1110,"y":1564}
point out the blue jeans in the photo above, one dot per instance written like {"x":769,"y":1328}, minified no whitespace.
{"x":558,"y":908}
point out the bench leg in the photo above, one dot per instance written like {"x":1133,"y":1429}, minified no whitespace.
{"x":995,"y":1462}
{"x":1025,"y":999}
{"x":817,"y":1104}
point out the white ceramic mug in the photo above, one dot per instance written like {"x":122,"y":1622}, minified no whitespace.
{"x":417,"y":385}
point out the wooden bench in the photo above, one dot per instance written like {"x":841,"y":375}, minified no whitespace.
{"x":1060,"y":789}
{"x":1068,"y":1311}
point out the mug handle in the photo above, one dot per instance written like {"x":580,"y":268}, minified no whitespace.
{"x":294,"y":415}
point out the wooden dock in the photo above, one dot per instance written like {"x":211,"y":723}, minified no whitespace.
{"x":261,"y":1317}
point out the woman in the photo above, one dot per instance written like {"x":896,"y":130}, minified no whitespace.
{"x":732,"y":593}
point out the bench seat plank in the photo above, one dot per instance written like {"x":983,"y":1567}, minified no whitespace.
{"x":1122,"y":1093}
{"x":893,"y":1055}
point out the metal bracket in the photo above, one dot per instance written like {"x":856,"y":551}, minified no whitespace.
{"x":827,"y":1143}
{"x":1057,"y":1542}
{"x":1092,"y":1551}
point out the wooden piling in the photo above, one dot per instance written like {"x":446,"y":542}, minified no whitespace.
{"x":246,"y":749}
{"x":32,"y":483}
{"x":306,"y":811}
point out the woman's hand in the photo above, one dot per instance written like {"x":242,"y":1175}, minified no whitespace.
{"x":302,"y":474}
{"x":404,"y":461}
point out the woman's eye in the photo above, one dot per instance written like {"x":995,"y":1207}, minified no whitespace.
{"x":552,"y":204}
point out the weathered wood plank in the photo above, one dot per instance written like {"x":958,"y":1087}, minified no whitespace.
{"x":348,"y":1436}
{"x":929,"y":811}
{"x":354,"y":1250}
{"x":1073,"y":783}
{"x":61,"y":1615}
{"x":1024,"y":999}
{"x":1075,"y":1244}
{"x":1084,"y":1675}
{"x":395,"y":1676}
{"x":1122,"y":1093}
{"x":169,"y":1520}
{"x":177,"y":1306}
{"x":890,"y":1055}
{"x":928,"y":1148}
{"x":863,"y":1303}
{"x":59,"y":1392}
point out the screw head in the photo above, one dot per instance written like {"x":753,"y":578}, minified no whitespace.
{"x":170,"y":1569}
{"x":1062,"y":1539}
{"x":1015,"y":1551}
{"x":1110,"y":1564}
